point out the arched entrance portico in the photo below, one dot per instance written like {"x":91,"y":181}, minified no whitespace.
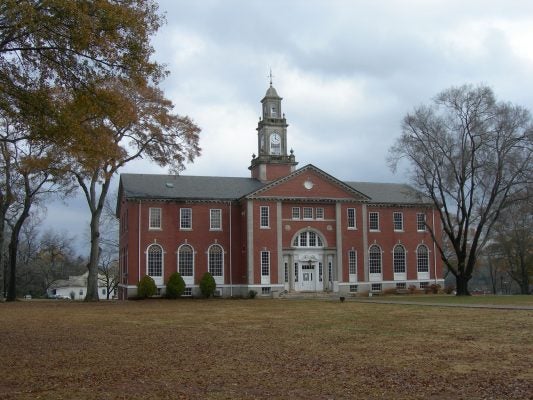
{"x":307,"y":263}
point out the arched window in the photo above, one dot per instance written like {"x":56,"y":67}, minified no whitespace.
{"x":422,"y":258}
{"x":374,"y":260}
{"x":216,"y":260}
{"x":186,"y":260}
{"x":155,"y":260}
{"x":308,"y":239}
{"x":399,"y":259}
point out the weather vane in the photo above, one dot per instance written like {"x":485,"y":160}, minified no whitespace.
{"x":270,"y":76}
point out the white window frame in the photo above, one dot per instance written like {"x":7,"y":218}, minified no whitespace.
{"x":184,"y":218}
{"x":352,"y":265}
{"x":351,"y":221}
{"x":397,"y":261}
{"x":319,"y":213}
{"x":422,"y":264}
{"x":264,"y":258}
{"x":397,"y":221}
{"x":376,"y":287}
{"x":158,"y":279}
{"x":375,"y":271}
{"x":421,"y":222}
{"x":152,"y":218}
{"x":304,"y":239}
{"x":296,"y":213}
{"x":309,"y":212}
{"x":264,"y":216}
{"x":219,"y":279}
{"x":188,"y":279}
{"x":371,"y":220}
{"x":213,"y":219}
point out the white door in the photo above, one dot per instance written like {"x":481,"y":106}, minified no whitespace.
{"x":308,"y":276}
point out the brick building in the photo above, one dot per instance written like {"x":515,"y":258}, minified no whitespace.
{"x":282,"y":229}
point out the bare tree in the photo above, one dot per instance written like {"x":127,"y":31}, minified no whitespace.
{"x":473,"y":156}
{"x":513,"y":242}
{"x":108,"y":272}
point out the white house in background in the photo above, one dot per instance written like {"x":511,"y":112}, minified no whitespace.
{"x":75,"y":287}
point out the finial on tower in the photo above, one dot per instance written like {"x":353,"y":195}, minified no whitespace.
{"x":270,"y":76}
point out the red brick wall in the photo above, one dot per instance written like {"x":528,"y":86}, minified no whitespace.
{"x":170,"y":237}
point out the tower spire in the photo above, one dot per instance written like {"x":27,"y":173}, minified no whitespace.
{"x":270,"y":76}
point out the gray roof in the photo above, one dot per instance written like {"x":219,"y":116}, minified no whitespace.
{"x":395,"y":193}
{"x":271,"y":92}
{"x":178,"y":187}
{"x":148,"y":186}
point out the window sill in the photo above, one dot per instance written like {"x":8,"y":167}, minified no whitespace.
{"x":155,"y":229}
{"x":185,"y":229}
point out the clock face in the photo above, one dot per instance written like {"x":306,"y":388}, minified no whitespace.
{"x":275,"y":139}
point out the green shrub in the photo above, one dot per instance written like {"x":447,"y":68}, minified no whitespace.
{"x":146,"y":287}
{"x":252,"y":294}
{"x":207,"y":285}
{"x":175,"y":286}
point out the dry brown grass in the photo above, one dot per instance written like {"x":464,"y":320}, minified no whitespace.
{"x":219,"y":349}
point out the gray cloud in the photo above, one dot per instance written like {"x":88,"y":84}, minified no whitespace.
{"x":348,"y":71}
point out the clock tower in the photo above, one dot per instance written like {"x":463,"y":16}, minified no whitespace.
{"x":272,"y":161}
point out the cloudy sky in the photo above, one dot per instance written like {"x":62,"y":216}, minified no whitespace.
{"x":348,"y":71}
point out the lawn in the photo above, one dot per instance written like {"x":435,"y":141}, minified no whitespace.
{"x":516,"y":300}
{"x":221,"y":349}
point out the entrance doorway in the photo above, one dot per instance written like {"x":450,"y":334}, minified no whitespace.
{"x":308,"y":277}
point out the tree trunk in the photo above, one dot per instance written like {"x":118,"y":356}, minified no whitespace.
{"x":462,"y":285}
{"x":92,"y":279}
{"x":524,"y":282}
{"x":12,"y":285}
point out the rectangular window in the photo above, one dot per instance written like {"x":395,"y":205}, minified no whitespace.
{"x":265,"y":291}
{"x":351,"y":218}
{"x":296,"y":213}
{"x":330,"y":271}
{"x":265,"y":219}
{"x":376,"y":287}
{"x":286,"y":273}
{"x":320,"y":272}
{"x":103,"y":292}
{"x":401,"y":285}
{"x":352,"y":262}
{"x":319,"y":213}
{"x":187,"y":292}
{"x":373,"y":221}
{"x":295,"y":272}
{"x":308,"y":213}
{"x":265,"y":263}
{"x":398,"y":221}
{"x":185,"y":218}
{"x":155,"y":218}
{"x":421,"y":222}
{"x":215,"y":220}
{"x":424,"y":285}
{"x":353,"y":288}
